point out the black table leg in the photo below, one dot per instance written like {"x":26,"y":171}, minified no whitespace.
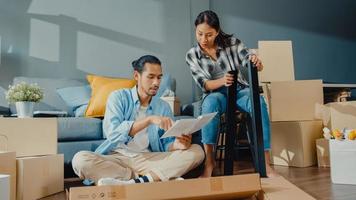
{"x":231,"y":127}
{"x":257,"y":130}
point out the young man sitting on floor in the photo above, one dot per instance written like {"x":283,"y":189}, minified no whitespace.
{"x":133,"y":124}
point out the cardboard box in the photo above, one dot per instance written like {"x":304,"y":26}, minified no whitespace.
{"x":278,"y":188}
{"x":293,"y":143}
{"x":4,"y":187}
{"x":277,"y":58}
{"x":30,"y":136}
{"x":322,"y":152}
{"x":295,"y":100}
{"x":342,"y":161}
{"x":39,"y":176}
{"x":8,"y":167}
{"x":174,"y":103}
{"x":339,"y":115}
{"x":203,"y":188}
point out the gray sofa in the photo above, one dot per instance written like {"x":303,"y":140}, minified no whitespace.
{"x":75,"y":133}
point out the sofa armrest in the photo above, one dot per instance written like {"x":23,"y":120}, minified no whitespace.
{"x":193,"y":109}
{"x":4,"y":111}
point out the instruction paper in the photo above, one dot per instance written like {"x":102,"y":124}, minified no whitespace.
{"x":188,"y":126}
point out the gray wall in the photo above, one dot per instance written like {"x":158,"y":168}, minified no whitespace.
{"x":71,"y":38}
{"x":52,"y":38}
{"x":323,"y":32}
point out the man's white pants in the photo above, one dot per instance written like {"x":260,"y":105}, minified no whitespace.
{"x":166,"y":165}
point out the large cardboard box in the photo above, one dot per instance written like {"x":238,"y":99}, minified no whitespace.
{"x":340,"y":115}
{"x":342,"y":161}
{"x":8,"y":167}
{"x":277,"y":58}
{"x":293,"y":143}
{"x":322,"y":152}
{"x":174,"y":103}
{"x":4,"y":187}
{"x":30,"y":136}
{"x":39,"y":176}
{"x":224,"y":187}
{"x":278,"y":188}
{"x":294,"y":100}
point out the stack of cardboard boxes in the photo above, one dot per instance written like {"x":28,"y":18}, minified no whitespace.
{"x":291,"y":105}
{"x":29,"y":156}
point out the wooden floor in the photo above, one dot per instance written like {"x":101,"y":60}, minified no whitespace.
{"x":313,"y":180}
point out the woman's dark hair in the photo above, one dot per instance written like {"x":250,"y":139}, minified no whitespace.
{"x":212,"y":19}
{"x":139,"y":64}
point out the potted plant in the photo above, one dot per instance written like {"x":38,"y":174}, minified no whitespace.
{"x":24,"y":96}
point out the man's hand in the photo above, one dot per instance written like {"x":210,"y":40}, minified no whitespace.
{"x":181,"y":143}
{"x":163,"y":122}
{"x":256,"y":61}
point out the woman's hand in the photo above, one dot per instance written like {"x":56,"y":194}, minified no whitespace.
{"x":181,"y":143}
{"x":227,"y":80}
{"x":257,"y":62}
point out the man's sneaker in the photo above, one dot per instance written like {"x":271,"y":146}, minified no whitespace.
{"x":112,"y":181}
{"x":177,"y":179}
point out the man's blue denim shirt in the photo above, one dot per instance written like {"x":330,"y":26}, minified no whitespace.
{"x":121,"y":108}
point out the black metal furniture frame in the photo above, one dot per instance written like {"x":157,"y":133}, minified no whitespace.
{"x":256,"y":124}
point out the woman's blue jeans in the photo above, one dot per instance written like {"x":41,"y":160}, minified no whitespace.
{"x":216,"y":102}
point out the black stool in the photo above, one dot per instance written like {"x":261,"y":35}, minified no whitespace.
{"x":243,"y":137}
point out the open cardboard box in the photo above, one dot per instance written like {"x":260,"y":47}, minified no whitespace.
{"x":247,"y":187}
{"x":223,"y":187}
{"x":337,"y":115}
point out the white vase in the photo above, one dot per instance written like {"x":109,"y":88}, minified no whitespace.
{"x":24,"y":109}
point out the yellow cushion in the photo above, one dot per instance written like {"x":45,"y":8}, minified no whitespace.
{"x":101,"y":87}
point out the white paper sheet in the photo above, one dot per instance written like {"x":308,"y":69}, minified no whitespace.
{"x":188,"y":126}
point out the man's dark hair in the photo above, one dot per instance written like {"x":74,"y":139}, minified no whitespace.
{"x":139,"y":64}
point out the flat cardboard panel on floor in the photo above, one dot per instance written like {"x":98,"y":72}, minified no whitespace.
{"x":277,"y":58}
{"x":293,"y":143}
{"x":39,"y":176}
{"x":224,"y":187}
{"x":278,"y":188}
{"x":8,"y":167}
{"x":30,"y":136}
{"x":322,"y":152}
{"x":295,"y":100}
{"x":342,"y":161}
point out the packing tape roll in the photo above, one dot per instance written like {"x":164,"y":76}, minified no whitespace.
{"x":216,"y":184}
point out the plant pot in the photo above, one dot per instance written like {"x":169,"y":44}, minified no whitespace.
{"x":24,"y":109}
